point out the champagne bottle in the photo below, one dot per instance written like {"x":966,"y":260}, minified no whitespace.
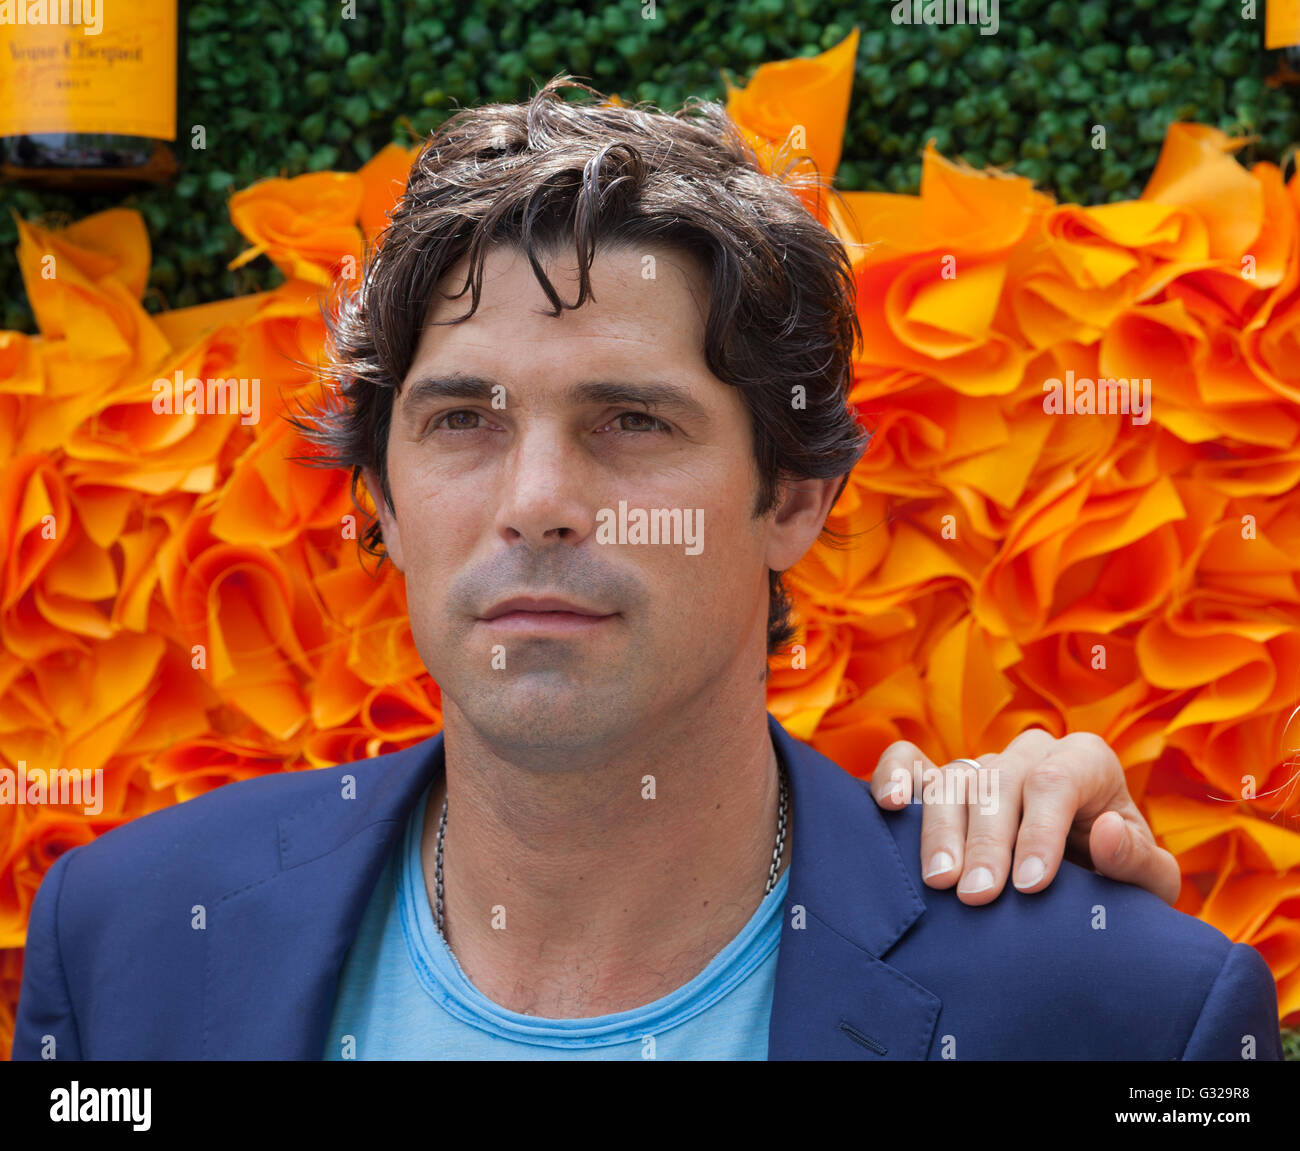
{"x":88,"y":93}
{"x":1282,"y":41}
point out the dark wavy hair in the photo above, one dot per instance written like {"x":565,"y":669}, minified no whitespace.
{"x":553,"y":172}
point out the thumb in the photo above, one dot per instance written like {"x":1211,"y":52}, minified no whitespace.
{"x":1118,"y":853}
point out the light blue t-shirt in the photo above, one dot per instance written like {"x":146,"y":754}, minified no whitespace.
{"x":402,"y":995}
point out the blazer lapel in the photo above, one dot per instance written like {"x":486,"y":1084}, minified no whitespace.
{"x":848,"y":902}
{"x":276,"y":946}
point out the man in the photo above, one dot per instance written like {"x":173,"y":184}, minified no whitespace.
{"x":612,"y":850}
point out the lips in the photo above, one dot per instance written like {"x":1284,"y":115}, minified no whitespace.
{"x":542,"y":604}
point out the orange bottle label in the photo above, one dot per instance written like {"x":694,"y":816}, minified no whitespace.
{"x":88,"y":66}
{"x":1281,"y":24}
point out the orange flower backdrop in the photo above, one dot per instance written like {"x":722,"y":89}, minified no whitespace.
{"x":181,"y":606}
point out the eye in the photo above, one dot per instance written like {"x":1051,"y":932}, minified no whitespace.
{"x":451,"y":415}
{"x":658,"y":425}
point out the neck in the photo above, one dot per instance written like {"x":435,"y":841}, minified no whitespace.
{"x":596,"y":889}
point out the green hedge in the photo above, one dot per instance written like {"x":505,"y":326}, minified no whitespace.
{"x":287,"y":86}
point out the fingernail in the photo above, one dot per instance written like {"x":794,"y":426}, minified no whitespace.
{"x":1123,"y":843}
{"x":940,"y":862}
{"x":981,"y":879}
{"x":1029,"y":872}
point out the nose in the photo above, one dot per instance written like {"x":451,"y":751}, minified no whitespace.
{"x":545,"y":489}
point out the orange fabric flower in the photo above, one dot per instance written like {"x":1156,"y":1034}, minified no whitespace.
{"x":383,"y":180}
{"x":800,"y":106}
{"x":307,"y":225}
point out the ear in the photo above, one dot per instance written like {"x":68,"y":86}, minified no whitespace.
{"x":387,"y":519}
{"x":798,"y":519}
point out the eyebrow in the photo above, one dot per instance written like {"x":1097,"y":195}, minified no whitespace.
{"x":654,"y":394}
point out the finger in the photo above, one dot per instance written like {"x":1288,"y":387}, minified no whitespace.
{"x":893,"y":782}
{"x":1121,"y":852}
{"x":943,"y":824}
{"x":993,"y":815}
{"x":1050,"y":799}
{"x":1107,"y":837}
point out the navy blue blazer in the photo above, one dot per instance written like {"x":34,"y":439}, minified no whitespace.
{"x":872,"y":963}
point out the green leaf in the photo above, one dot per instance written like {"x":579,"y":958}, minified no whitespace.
{"x":334,"y":46}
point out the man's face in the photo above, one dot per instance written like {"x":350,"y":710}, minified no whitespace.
{"x":500,"y":497}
